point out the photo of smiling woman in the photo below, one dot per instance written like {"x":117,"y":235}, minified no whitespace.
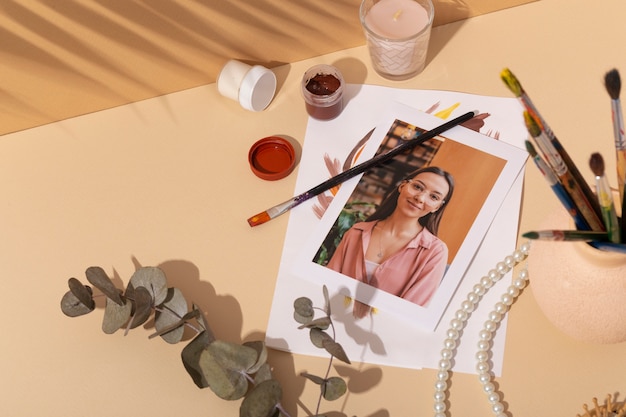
{"x":396,"y":249}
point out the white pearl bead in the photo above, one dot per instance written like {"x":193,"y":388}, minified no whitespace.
{"x":479,"y":290}
{"x":473,"y":298}
{"x":489,"y":387}
{"x":468,"y":306}
{"x":502,"y":268}
{"x":456,"y":324}
{"x":501,"y":308}
{"x":518,"y":256}
{"x":494,"y":275}
{"x":486,"y":282}
{"x":445,"y":364}
{"x":461,"y":315}
{"x":485,"y":335}
{"x":440,"y":396}
{"x":449,"y":344}
{"x":490,"y":325}
{"x":513,"y":291}
{"x":446,"y":354}
{"x":482,"y":355}
{"x":497,"y":408}
{"x":441,"y":386}
{"x":525,"y":248}
{"x":495,"y":316}
{"x":452,"y":334}
{"x":507,"y":299}
{"x":482,"y":366}
{"x":484,"y":377}
{"x":509,"y":261}
{"x":523,"y":274}
{"x":442,"y":376}
{"x":493,"y":397}
{"x":484,"y":345}
{"x":520,"y":283}
{"x":440,"y":407}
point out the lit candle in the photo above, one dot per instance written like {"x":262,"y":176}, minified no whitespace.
{"x":397,"y":34}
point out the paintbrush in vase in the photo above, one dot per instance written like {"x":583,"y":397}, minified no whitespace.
{"x":605,"y":198}
{"x":285,"y":206}
{"x":560,"y":169}
{"x":516,"y":88}
{"x":613,"y":85}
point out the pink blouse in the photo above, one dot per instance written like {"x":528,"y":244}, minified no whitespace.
{"x":413,"y":273}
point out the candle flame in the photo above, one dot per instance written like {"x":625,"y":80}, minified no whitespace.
{"x":397,"y":14}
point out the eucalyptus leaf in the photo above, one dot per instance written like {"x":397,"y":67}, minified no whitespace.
{"x":303,"y":306}
{"x":317,"y":379}
{"x":71,"y":306}
{"x":318,"y":337}
{"x":225,"y":383}
{"x":191,"y":358}
{"x":322,"y":323}
{"x":99,"y":279}
{"x":83,"y":293}
{"x":336,"y":350}
{"x":326,"y":300}
{"x":173,"y":308}
{"x":115,"y":315}
{"x":263,"y":374}
{"x":333,"y":388}
{"x":261,"y":351}
{"x":301,"y":319}
{"x":143,"y":307}
{"x":232,"y":356}
{"x":154,"y":280}
{"x":262,"y":400}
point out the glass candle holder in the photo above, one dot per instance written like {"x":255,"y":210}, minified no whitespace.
{"x":397,"y":34}
{"x":322,"y":89}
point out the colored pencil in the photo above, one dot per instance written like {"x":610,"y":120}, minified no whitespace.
{"x":567,"y":235}
{"x":560,"y":169}
{"x":285,"y":206}
{"x":516,"y":88}
{"x":613,"y":85}
{"x":605,"y":197}
{"x":557,"y":187}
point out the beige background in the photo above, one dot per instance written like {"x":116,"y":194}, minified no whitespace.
{"x":63,"y":58}
{"x":89,"y":191}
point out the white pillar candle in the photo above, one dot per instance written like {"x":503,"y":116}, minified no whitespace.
{"x":397,"y":33}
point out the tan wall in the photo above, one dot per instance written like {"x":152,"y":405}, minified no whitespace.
{"x":60,"y":59}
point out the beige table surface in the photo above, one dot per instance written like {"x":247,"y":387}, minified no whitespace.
{"x":165,"y":182}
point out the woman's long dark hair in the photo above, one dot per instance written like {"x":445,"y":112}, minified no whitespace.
{"x":429,"y":221}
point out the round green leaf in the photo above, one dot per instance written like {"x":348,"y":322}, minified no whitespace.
{"x":233,"y":356}
{"x":261,"y":352}
{"x":191,"y":358}
{"x":115,"y":315}
{"x":303,"y":308}
{"x":71,"y":306}
{"x":263,"y":374}
{"x":318,"y":337}
{"x":143,"y":307}
{"x":173,"y":309}
{"x":154,"y":280}
{"x":262,"y":400}
{"x":82,"y":292}
{"x":99,"y":279}
{"x":333,"y":388}
{"x":226,"y":384}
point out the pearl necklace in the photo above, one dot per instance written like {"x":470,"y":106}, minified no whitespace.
{"x":485,"y":376}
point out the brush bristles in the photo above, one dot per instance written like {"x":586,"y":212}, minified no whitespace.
{"x":530,"y":148}
{"x":511,"y":82}
{"x":531,"y":125}
{"x":613,"y":83}
{"x":596,"y":163}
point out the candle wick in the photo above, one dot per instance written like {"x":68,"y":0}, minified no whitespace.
{"x":397,"y":14}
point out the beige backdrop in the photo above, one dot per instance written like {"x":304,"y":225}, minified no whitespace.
{"x":64,"y":58}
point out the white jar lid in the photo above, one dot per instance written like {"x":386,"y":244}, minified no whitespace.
{"x":253,"y":86}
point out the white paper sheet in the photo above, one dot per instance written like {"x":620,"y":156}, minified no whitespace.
{"x":384,"y":339}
